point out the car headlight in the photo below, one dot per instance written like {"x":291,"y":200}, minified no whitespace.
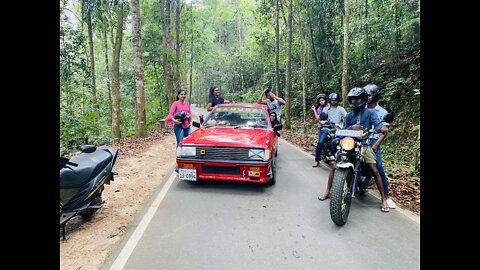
{"x":259,"y":154}
{"x":186,"y":151}
{"x":347,"y":143}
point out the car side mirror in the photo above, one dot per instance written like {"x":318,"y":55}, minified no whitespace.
{"x":196,"y":124}
{"x":278,"y":127}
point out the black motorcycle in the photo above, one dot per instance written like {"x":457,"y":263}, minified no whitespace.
{"x":352,"y":176}
{"x":331,"y":128}
{"x":82,"y":180}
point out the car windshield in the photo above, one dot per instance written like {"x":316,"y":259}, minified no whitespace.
{"x":238,"y":117}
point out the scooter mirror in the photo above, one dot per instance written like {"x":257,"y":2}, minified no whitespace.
{"x":323,"y":116}
{"x":88,"y":148}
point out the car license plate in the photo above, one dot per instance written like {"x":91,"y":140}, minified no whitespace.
{"x":187,"y":174}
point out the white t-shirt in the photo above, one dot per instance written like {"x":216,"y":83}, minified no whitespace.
{"x":336,"y":115}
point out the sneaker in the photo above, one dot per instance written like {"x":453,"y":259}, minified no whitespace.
{"x":391,"y":204}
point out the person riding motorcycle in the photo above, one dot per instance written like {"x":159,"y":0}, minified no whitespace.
{"x":359,"y":118}
{"x":336,"y":113}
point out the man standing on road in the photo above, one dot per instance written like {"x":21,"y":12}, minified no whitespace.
{"x":373,"y":92}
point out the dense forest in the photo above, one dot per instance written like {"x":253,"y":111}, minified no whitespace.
{"x":121,"y":62}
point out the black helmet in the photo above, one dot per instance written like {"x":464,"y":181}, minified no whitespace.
{"x":357,"y":92}
{"x":181,"y":116}
{"x":373,"y":90}
{"x":322,"y":95}
{"x":333,"y":96}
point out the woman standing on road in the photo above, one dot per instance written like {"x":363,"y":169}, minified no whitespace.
{"x":181,"y":123}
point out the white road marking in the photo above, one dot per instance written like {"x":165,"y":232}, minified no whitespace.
{"x":127,"y":250}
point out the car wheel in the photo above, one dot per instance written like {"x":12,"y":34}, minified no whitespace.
{"x":272,"y":180}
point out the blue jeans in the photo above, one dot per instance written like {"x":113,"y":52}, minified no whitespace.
{"x":380,"y":169}
{"x":180,"y":132}
{"x":320,"y":144}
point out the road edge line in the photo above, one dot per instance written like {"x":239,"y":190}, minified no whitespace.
{"x":128,"y":248}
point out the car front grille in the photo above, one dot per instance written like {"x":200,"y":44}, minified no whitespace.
{"x":229,"y":153}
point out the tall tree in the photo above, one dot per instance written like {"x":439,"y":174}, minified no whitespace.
{"x":104,"y":8}
{"x":191,"y":50}
{"x":277,"y":49}
{"x":304,"y":84}
{"x":288,"y":82}
{"x":88,"y":7}
{"x":116,"y":134}
{"x":167,"y":66}
{"x":345,"y":51}
{"x":141,"y":125}
{"x":178,"y":7}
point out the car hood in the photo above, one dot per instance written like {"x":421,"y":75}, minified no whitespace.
{"x":230,"y":137}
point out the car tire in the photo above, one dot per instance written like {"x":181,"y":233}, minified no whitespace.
{"x":272,"y":180}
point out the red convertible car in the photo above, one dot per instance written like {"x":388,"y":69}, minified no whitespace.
{"x":236,"y":142}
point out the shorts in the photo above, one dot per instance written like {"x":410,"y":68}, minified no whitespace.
{"x":369,"y":156}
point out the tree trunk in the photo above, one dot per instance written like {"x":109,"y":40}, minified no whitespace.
{"x":304,"y":86}
{"x":107,"y":67}
{"x":116,"y":134}
{"x":366,"y":34}
{"x":167,"y":72}
{"x":345,"y":52}
{"x":141,"y":125}
{"x":91,"y":56}
{"x":177,"y":45}
{"x":110,"y":23}
{"x":277,"y":50}
{"x":159,"y":90}
{"x":191,"y":51}
{"x":288,"y":81}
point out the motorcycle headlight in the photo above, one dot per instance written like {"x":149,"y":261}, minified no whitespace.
{"x":347,"y":143}
{"x":186,"y":151}
{"x":259,"y":154}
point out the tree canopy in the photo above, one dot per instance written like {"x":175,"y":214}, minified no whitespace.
{"x":231,"y":44}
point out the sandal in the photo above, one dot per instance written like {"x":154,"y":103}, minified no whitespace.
{"x":323,"y":198}
{"x":317,"y":164}
{"x":385,"y":209}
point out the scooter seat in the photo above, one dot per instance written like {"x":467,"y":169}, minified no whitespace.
{"x":89,"y":166}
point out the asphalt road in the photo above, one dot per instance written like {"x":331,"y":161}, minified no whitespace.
{"x":217,"y":225}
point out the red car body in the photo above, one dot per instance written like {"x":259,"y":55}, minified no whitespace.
{"x":243,"y":150}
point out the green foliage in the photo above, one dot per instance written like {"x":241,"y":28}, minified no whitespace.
{"x":234,"y":48}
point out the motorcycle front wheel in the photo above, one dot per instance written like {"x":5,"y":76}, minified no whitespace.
{"x":341,"y":196}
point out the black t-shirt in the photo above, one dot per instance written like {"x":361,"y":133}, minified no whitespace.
{"x":215,"y":102}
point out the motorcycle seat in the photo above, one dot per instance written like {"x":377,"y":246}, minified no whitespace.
{"x":89,"y":166}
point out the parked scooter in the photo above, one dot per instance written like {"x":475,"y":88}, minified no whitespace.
{"x":82,"y":180}
{"x":352,"y":176}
